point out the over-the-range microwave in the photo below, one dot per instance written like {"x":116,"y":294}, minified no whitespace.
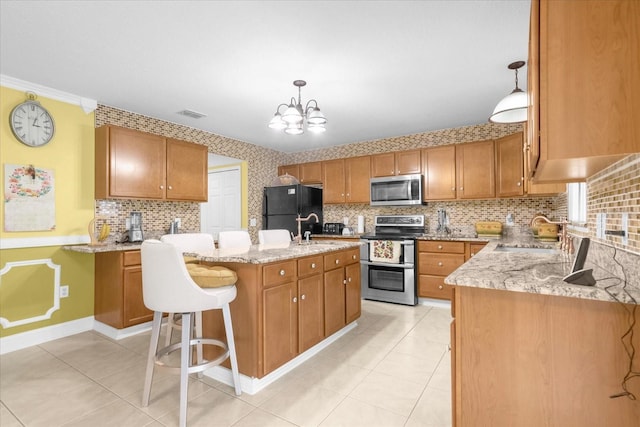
{"x":398,"y":190}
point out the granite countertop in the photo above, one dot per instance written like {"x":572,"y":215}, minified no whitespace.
{"x":109,"y":247}
{"x":457,"y":237}
{"x":262,"y":254}
{"x":537,"y":272}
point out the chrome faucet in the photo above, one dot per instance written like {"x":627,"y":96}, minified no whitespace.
{"x":566,"y":241}
{"x":298,"y":238}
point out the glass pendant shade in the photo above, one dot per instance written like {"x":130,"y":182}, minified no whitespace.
{"x":511,"y":109}
{"x":277,"y":122}
{"x":292,"y":115}
{"x":316,"y":117}
{"x":294,"y":128}
{"x":316,"y":128}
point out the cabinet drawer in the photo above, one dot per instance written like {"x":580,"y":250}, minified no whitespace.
{"x":131,"y":258}
{"x":439,"y":264}
{"x":310,"y":265}
{"x":280,"y":272}
{"x":441,"y":246}
{"x":340,"y":259}
{"x":434,"y":287}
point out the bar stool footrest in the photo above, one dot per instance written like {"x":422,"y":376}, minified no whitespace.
{"x":192,"y":368}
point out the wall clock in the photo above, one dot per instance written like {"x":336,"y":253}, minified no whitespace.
{"x":31,"y":123}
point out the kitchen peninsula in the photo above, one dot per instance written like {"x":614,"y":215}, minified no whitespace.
{"x":529,"y":349}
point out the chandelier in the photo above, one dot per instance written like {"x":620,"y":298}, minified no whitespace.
{"x":513,"y":107}
{"x":294,"y":117}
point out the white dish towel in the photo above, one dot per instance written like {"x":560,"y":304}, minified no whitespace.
{"x":385,"y":251}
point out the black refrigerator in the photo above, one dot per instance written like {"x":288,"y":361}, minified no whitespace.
{"x":281,"y":206}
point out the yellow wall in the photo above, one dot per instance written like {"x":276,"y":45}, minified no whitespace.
{"x":71,"y":155}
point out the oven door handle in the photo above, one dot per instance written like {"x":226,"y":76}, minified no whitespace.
{"x":386,"y":264}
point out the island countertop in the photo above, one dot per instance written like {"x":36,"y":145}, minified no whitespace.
{"x":539,"y":272}
{"x":262,"y":254}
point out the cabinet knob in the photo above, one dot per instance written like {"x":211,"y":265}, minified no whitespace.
{"x":313,"y":265}
{"x":295,"y":299}
{"x":342,"y":194}
{"x":473,"y":253}
{"x":354,"y":256}
{"x":440,"y":287}
{"x":337,"y":261}
{"x":282,"y":272}
{"x":349,"y":280}
{"x":461,"y":188}
{"x":439,"y":246}
{"x":440,"y":264}
{"x":162,"y":187}
{"x":344,"y":282}
{"x":170,"y":188}
{"x":519,"y":184}
{"x":348,"y":194}
{"x":453,"y":188}
{"x":303,"y":296}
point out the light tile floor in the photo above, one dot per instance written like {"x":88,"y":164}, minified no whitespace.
{"x":392,"y":370}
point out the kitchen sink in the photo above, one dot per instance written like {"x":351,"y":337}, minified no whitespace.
{"x":523,"y":249}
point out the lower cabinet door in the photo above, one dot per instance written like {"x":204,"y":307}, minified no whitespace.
{"x":134,"y":311}
{"x":353,"y":292}
{"x":334,"y":301}
{"x":310,"y":312}
{"x":280,"y":325}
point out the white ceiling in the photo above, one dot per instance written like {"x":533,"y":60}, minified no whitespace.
{"x":377,"y":68}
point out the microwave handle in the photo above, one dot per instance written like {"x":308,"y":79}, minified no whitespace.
{"x":408,"y":190}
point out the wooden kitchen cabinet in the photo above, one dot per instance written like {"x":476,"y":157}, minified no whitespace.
{"x":536,"y":188}
{"x":439,"y":170}
{"x":475,"y":170}
{"x":310,"y":302}
{"x":280,"y":324}
{"x":342,"y":273}
{"x":472,"y":248}
{"x":306,"y":173}
{"x":346,"y":180}
{"x":396,"y":163}
{"x":509,"y":166}
{"x":534,"y":360}
{"x":582,"y":115}
{"x":293,"y":170}
{"x":436,"y":260}
{"x":131,"y":164}
{"x":118,"y":298}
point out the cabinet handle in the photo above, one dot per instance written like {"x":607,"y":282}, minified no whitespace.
{"x":282,"y":272}
{"x":439,"y":246}
{"x":313,"y":265}
{"x":295,"y":299}
{"x":344,"y":282}
{"x":349,"y":280}
{"x":440,"y":264}
{"x":354,"y":256}
{"x":440,"y":287}
{"x":461,"y":188}
{"x":170,"y":188}
{"x":162,"y":187}
{"x":519,"y":184}
{"x":453,"y":188}
{"x":303,"y":296}
{"x":337,"y":261}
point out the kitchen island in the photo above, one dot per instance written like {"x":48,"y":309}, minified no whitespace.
{"x":529,"y":349}
{"x":293,"y":300}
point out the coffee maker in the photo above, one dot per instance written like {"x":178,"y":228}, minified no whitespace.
{"x":135,"y":228}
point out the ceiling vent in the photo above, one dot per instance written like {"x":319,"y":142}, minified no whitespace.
{"x":192,"y":114}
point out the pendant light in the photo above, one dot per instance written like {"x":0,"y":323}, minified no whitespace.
{"x":295,"y":117}
{"x":513,"y":107}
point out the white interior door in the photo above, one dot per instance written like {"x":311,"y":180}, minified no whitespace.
{"x":222,"y":212}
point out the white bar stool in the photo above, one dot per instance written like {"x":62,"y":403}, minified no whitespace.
{"x":167,"y":287}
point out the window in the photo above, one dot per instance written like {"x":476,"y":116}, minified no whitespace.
{"x":577,"y":203}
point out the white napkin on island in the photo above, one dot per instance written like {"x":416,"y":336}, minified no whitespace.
{"x":385,"y":251}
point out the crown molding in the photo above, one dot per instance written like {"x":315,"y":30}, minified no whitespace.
{"x":88,"y":105}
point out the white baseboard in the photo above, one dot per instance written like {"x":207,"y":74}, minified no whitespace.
{"x":434,"y":302}
{"x":251,"y":385}
{"x":46,"y":334}
{"x":118,"y":334}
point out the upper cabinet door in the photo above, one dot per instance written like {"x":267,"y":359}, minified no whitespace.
{"x":358,"y":179}
{"x":408,"y":162}
{"x":439,"y":169}
{"x":310,"y":173}
{"x":589,"y":80}
{"x":293,"y":170}
{"x":383,"y":164}
{"x":187,"y":167}
{"x":509,"y":166}
{"x":475,"y":170}
{"x":129,"y":164}
{"x":333,"y":179}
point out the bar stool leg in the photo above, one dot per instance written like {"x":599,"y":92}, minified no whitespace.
{"x":153,"y":349}
{"x":228,"y":328}
{"x":185,"y":361}
{"x":198,"y":334}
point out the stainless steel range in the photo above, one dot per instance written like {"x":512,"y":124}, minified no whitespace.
{"x":387,"y":259}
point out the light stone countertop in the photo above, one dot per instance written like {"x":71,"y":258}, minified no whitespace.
{"x":539,"y":273}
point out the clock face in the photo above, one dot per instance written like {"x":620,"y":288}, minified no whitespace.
{"x":32,"y":124}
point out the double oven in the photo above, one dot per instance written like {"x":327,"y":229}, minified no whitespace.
{"x":388,"y":259}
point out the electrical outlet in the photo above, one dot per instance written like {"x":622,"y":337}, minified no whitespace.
{"x":127,"y":224}
{"x":253,"y":222}
{"x":601,"y":225}
{"x":64,"y":291}
{"x":625,"y":228}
